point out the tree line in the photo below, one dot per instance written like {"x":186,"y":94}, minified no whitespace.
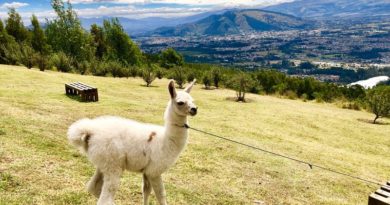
{"x":107,"y":50}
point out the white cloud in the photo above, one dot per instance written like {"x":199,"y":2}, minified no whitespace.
{"x":132,"y":12}
{"x":133,"y":9}
{"x":13,"y":5}
{"x":224,"y":3}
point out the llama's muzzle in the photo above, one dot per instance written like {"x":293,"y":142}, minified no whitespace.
{"x":193,"y":111}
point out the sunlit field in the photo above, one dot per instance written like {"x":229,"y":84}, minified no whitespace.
{"x":38,"y":166}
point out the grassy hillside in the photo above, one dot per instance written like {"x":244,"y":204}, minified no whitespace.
{"x":38,"y":166}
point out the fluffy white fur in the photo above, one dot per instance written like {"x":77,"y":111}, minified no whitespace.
{"x":115,"y":144}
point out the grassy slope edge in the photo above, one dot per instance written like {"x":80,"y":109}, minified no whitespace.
{"x":38,"y":166}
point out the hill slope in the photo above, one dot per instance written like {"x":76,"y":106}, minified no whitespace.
{"x":236,"y":22}
{"x":38,"y":166}
{"x":140,"y":26}
{"x":325,"y":9}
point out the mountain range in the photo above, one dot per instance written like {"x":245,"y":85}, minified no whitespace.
{"x":236,"y":22}
{"x":327,"y":9}
{"x":138,"y":26}
{"x":298,"y":14}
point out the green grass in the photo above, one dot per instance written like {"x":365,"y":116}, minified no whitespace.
{"x":38,"y":166}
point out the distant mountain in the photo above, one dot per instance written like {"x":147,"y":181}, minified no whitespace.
{"x":138,"y":26}
{"x":326,"y":9}
{"x":236,"y":22}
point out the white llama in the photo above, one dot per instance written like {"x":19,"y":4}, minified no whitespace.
{"x":114,"y":144}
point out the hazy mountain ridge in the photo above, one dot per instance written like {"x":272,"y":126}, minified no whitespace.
{"x":326,"y":9}
{"x":236,"y":22}
{"x":137,"y":26}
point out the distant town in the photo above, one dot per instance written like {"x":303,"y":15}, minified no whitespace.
{"x":360,"y":46}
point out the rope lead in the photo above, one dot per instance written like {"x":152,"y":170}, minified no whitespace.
{"x":286,"y":157}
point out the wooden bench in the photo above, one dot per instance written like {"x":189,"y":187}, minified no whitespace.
{"x":380,"y":196}
{"x":86,"y":92}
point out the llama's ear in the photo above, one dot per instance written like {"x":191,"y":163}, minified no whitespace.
{"x":172,"y":89}
{"x":189,"y":87}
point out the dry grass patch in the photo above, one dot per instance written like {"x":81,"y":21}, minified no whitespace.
{"x":38,"y":166}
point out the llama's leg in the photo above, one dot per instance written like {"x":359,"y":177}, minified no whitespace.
{"x":95,"y":184}
{"x":159,"y":189}
{"x":146,"y":189}
{"x":111,"y":182}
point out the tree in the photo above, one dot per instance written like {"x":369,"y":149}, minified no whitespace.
{"x":38,"y":38}
{"x":241,"y":83}
{"x":9,"y":49}
{"x":27,"y":55}
{"x":66,"y":34}
{"x":120,"y":46}
{"x":1,"y":26}
{"x":179,"y":76}
{"x":62,"y":62}
{"x":148,"y":74}
{"x":216,"y":75}
{"x":42,"y":61}
{"x":206,"y":80}
{"x":170,"y":58}
{"x":15,"y":27}
{"x":307,"y":65}
{"x":99,"y":41}
{"x":378,"y":100}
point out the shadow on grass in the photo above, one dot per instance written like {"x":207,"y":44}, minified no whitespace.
{"x":150,"y":86}
{"x":234,"y":99}
{"x":372,"y":122}
{"x":204,"y":88}
{"x":77,"y":98}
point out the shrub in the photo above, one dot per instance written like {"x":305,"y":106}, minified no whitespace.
{"x":27,"y":56}
{"x":179,"y":76}
{"x":42,"y":62}
{"x":241,"y":83}
{"x":378,"y":100}
{"x":160,"y":73}
{"x":62,"y":62}
{"x":206,"y":81}
{"x":149,"y":75}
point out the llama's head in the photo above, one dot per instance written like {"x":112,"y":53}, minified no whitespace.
{"x":181,"y":101}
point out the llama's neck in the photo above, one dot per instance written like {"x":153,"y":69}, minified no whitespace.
{"x":175,"y":134}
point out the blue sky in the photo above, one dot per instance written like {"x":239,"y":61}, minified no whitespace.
{"x":129,"y":8}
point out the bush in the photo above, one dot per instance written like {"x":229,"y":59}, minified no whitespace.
{"x":42,"y":62}
{"x":82,"y":67}
{"x":179,"y":76}
{"x":160,"y":73}
{"x":206,"y":80}
{"x":62,"y":62}
{"x":351,"y":106}
{"x":149,"y":75}
{"x":378,"y":100}
{"x":116,"y":69}
{"x":133,"y":71}
{"x":291,"y":95}
{"x":191,"y":76}
{"x":241,"y":83}
{"x":27,"y":56}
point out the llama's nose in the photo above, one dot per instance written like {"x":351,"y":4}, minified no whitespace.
{"x":194,"y":110}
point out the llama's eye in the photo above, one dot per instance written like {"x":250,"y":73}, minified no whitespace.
{"x":180,"y":103}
